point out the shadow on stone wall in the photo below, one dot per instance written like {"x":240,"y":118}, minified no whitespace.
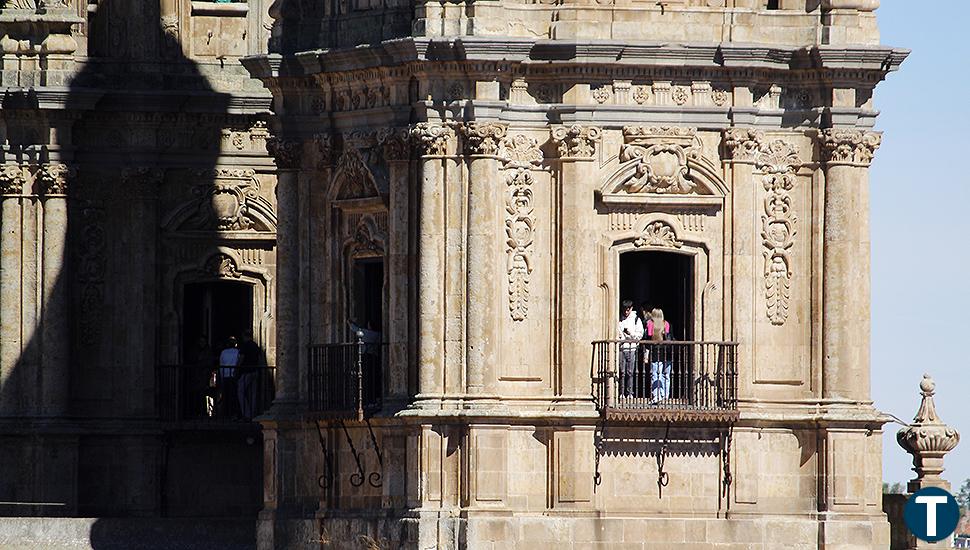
{"x":139,"y":127}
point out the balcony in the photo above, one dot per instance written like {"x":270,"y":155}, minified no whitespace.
{"x":193,"y":395}
{"x":667,"y":382}
{"x":346,"y":380}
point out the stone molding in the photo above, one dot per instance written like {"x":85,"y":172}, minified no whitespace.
{"x":848,"y":147}
{"x":576,"y":141}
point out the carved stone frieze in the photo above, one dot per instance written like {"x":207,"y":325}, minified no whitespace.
{"x":520,"y":232}
{"x":847,"y":146}
{"x":483,"y":138}
{"x":520,"y":150}
{"x":55,"y":178}
{"x":576,"y":141}
{"x":431,"y":139}
{"x":778,"y":161}
{"x":657,"y":233}
{"x":286,"y":152}
{"x":12,"y":179}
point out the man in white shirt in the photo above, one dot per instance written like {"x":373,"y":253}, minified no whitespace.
{"x":229,"y":360}
{"x":630,"y":329}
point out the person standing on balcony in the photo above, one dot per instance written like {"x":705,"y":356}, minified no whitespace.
{"x":248,"y":373}
{"x":630,"y":331}
{"x":229,"y":360}
{"x":658,"y":330}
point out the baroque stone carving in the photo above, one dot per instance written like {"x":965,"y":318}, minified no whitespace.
{"x":324,"y":145}
{"x":846,"y":146}
{"x":657,"y":234}
{"x":928,"y":439}
{"x":54,"y":178}
{"x":394,"y":143}
{"x":367,"y":238}
{"x":483,"y":138}
{"x":576,"y":141}
{"x":91,"y":266}
{"x":778,"y":161}
{"x":742,"y":143}
{"x":12,"y":180}
{"x":661,"y":157}
{"x":431,"y":138}
{"x":224,"y":204}
{"x":641,"y":94}
{"x":601,"y":94}
{"x":286,"y":152}
{"x":520,"y":232}
{"x":222,"y":266}
{"x":520,"y":150}
{"x":355,"y":179}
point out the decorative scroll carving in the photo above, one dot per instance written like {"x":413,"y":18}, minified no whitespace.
{"x":12,"y":180}
{"x":576,"y":141}
{"x":394,"y":143}
{"x":661,"y":155}
{"x":854,"y":147}
{"x":431,"y":139}
{"x":520,"y":151}
{"x":222,"y":266}
{"x":225,"y":203}
{"x":54,"y":178}
{"x":483,"y":138}
{"x":742,"y":143}
{"x":520,"y":230}
{"x":658,"y":234}
{"x":286,"y":152}
{"x":778,"y":161}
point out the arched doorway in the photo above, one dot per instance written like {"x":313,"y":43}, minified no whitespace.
{"x":215,"y":310}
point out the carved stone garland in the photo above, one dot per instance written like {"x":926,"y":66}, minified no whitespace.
{"x":519,"y":153}
{"x":778,"y":161}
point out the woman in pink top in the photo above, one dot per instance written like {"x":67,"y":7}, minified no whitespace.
{"x":660,"y":362}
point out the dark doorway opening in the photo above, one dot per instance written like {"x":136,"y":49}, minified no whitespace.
{"x":215,"y":311}
{"x":664,"y":280}
{"x":367,"y":290}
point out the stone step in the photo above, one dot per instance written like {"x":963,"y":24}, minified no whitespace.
{"x":36,"y":533}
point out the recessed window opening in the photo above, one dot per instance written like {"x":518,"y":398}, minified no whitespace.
{"x":215,"y":311}
{"x":661,"y":280}
{"x":367,"y":293}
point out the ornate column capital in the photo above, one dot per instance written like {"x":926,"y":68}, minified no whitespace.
{"x":394,"y":143}
{"x":55,"y":178}
{"x":742,"y":144}
{"x":431,"y":138}
{"x":12,"y":179}
{"x":928,"y":439}
{"x":483,"y":138}
{"x":576,"y":141}
{"x":520,"y":151}
{"x":286,"y":152}
{"x":848,"y":147}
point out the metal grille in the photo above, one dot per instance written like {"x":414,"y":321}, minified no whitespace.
{"x":346,"y":380}
{"x":193,"y":393}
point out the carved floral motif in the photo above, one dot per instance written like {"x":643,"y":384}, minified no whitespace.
{"x":657,"y":234}
{"x":846,"y":146}
{"x":520,"y":232}
{"x":601,"y":95}
{"x":520,"y":150}
{"x":778,"y":161}
{"x":641,"y":94}
{"x":483,"y":138}
{"x":576,"y":141}
{"x":394,"y":142}
{"x":431,"y":138}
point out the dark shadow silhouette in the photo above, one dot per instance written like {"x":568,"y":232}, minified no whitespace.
{"x":138,"y":138}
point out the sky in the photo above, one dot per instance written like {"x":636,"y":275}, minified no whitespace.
{"x":920,"y":218}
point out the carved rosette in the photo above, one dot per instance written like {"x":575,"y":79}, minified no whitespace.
{"x":520,"y":232}
{"x":849,"y":147}
{"x":431,"y":139}
{"x":657,"y":234}
{"x":483,"y":138}
{"x":661,"y":156}
{"x":12,"y":179}
{"x":778,"y":161}
{"x":576,"y":142}
{"x":286,"y":152}
{"x":928,"y":439}
{"x":54,"y":178}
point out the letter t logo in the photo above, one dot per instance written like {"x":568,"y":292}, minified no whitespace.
{"x":930,"y":502}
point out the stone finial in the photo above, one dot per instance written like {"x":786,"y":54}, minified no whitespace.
{"x":928,"y":439}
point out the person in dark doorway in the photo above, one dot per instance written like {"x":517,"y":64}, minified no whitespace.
{"x":248,"y":374}
{"x":201,"y":377}
{"x":229,"y":360}
{"x":630,"y":330}
{"x":658,"y":330}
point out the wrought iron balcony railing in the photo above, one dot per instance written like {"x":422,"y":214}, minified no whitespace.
{"x":346,"y":380}
{"x":666,"y":381}
{"x":197,"y":394}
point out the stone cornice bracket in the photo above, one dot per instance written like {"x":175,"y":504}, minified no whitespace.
{"x":55,"y":178}
{"x":323,"y":142}
{"x":483,"y":138}
{"x":286,"y":152}
{"x":12,"y":179}
{"x":576,"y":142}
{"x":520,"y":151}
{"x":394,"y":144}
{"x":431,"y":139}
{"x":928,"y":439}
{"x":848,"y":147}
